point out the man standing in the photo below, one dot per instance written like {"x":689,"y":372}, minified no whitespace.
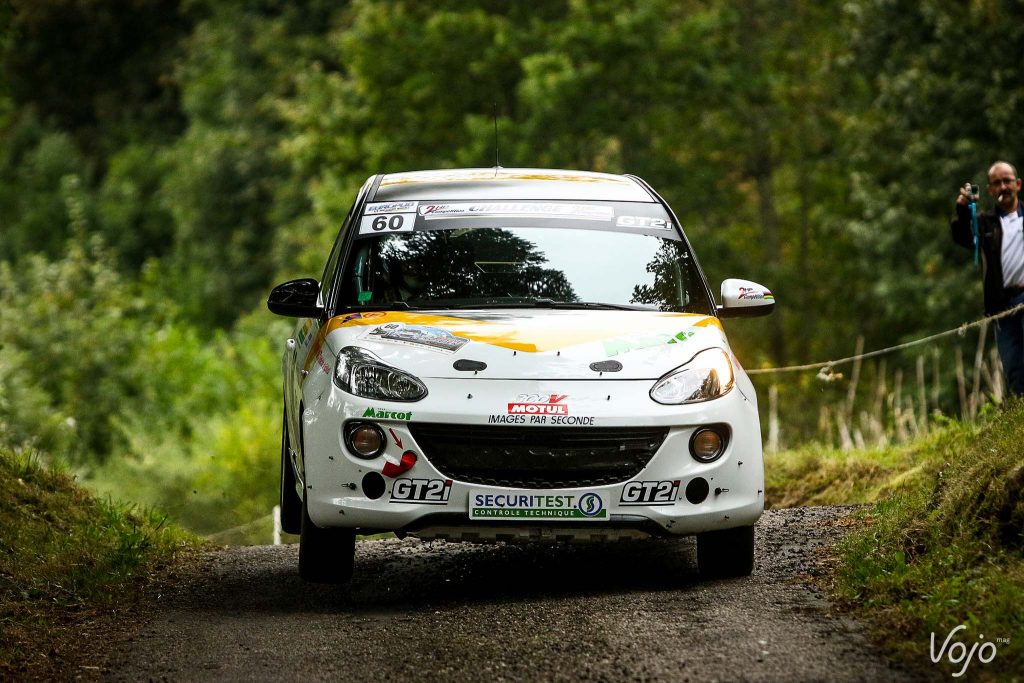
{"x":1001,"y":247}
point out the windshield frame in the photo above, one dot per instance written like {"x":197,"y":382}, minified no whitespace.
{"x":702,"y":301}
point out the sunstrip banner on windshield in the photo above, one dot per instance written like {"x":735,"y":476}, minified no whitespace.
{"x":587,"y":212}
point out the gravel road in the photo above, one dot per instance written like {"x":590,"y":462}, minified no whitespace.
{"x":421,"y":611}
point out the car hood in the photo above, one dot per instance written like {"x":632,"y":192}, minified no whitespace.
{"x":528,"y":343}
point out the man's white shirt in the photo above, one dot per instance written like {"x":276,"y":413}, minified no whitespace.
{"x":1013,"y":249}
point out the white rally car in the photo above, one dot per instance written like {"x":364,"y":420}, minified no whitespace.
{"x":516,"y":354}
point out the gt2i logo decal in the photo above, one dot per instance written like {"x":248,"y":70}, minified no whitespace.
{"x":751,"y":293}
{"x":433,"y":338}
{"x":539,"y":404}
{"x":643,"y":222}
{"x":649,"y":493}
{"x":613,"y":347}
{"x":426,"y":491}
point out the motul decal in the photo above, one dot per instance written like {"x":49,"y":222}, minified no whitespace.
{"x":539,"y":404}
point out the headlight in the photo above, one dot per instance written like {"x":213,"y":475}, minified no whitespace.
{"x":361,"y":373}
{"x":708,"y":375}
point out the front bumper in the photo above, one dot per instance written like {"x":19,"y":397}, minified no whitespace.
{"x":345,"y":491}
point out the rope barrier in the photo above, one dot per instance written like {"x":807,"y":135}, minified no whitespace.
{"x":879,"y":352}
{"x":240,"y":527}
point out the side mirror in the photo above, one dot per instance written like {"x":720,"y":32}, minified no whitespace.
{"x":296,"y":299}
{"x":745,"y":299}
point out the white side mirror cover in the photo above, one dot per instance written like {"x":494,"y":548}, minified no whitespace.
{"x":743,"y":298}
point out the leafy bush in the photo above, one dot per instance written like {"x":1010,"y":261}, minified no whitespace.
{"x":71,"y":330}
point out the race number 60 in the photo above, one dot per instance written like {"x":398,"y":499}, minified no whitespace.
{"x":385,"y":223}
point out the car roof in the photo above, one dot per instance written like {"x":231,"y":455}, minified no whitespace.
{"x":510,"y":183}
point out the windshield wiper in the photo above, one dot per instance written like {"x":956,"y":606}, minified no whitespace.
{"x":551,"y":303}
{"x":390,"y":306}
{"x":589,"y":304}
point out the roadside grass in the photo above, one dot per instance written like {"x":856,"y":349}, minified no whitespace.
{"x":942,"y":544}
{"x":65,"y":558}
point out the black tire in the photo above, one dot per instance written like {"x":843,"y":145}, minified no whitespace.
{"x":726,"y":554}
{"x":325,"y":555}
{"x":291,"y":504}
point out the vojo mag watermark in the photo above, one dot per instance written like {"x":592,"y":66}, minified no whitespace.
{"x":957,"y":653}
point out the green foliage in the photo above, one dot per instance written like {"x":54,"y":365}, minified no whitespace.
{"x":70,"y":333}
{"x":35,"y":162}
{"x":131,"y":206}
{"x":206,"y":449}
{"x":100,"y":72}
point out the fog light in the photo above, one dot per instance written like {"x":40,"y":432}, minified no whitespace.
{"x":365,"y":440}
{"x":706,"y":445}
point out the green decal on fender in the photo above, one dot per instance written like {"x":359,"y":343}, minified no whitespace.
{"x":613,"y":347}
{"x":382,"y":414}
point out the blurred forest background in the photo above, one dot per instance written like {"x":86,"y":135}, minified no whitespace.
{"x":164,"y":162}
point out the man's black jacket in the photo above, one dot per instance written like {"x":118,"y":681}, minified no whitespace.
{"x":990,"y":247}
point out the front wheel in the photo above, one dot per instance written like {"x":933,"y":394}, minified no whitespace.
{"x":727,"y":553}
{"x":326,"y":555}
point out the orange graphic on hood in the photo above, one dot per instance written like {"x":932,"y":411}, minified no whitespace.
{"x":536,"y":333}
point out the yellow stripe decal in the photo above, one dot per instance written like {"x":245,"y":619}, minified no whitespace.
{"x":528,"y":334}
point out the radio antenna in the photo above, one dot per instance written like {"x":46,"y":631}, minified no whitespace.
{"x":496,"y":164}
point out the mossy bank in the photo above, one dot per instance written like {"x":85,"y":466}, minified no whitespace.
{"x":941,"y":545}
{"x":67,"y":562}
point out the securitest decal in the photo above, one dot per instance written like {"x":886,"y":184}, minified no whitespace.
{"x":381,"y":414}
{"x":536,"y":505}
{"x":649,"y":493}
{"x":425,"y":491}
{"x":434,"y":338}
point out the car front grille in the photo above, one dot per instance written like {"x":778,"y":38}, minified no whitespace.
{"x":537,"y":457}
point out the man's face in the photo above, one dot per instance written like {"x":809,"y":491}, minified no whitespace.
{"x":1004,"y":186}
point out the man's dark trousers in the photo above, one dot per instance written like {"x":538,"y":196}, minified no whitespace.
{"x":1010,"y":342}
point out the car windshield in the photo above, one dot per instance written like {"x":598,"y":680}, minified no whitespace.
{"x":563,"y":261}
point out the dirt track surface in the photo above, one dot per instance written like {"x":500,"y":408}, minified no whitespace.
{"x":455,"y":612}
